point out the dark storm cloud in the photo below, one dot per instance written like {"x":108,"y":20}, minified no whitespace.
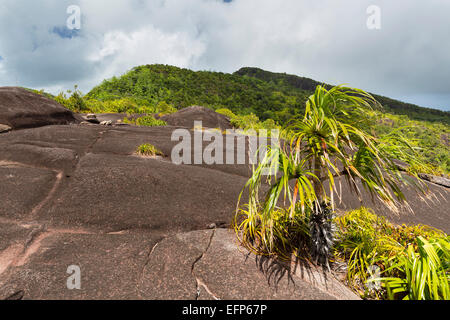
{"x":328,"y":40}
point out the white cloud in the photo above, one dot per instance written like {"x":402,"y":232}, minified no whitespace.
{"x":326,"y":40}
{"x":145,"y":46}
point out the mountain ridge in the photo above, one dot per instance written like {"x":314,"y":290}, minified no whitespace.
{"x":248,"y":90}
{"x":309,"y":84}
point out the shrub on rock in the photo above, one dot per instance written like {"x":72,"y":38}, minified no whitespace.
{"x":149,"y":150}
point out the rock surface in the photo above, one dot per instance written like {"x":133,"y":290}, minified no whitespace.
{"x":432,"y":209}
{"x":187,"y":116}
{"x":210,"y":265}
{"x":141,"y":228}
{"x":20,"y":108}
{"x":435,"y":179}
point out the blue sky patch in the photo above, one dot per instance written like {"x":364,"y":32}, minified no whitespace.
{"x":64,"y":32}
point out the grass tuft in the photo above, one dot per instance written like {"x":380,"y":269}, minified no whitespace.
{"x":147,"y":121}
{"x":149,"y":150}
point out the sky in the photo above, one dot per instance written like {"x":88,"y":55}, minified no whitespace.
{"x":406,"y":57}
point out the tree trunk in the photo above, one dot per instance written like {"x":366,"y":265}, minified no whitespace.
{"x":321,"y":225}
{"x":317,"y":183}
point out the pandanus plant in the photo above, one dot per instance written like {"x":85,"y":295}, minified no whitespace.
{"x":328,"y":144}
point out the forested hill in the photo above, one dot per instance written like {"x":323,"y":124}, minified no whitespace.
{"x":393,"y":106}
{"x":276,"y":96}
{"x":182,"y":88}
{"x":253,"y":95}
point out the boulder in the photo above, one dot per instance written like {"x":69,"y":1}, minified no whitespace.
{"x":92,"y":118}
{"x":21,"y":108}
{"x":186,"y":117}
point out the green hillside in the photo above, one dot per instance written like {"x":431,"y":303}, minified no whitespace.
{"x":181,"y":88}
{"x":260,"y":95}
{"x":290,"y":82}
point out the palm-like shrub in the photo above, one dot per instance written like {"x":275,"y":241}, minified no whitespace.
{"x":327,"y":144}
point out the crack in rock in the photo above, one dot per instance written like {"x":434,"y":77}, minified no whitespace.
{"x":200,"y":283}
{"x":91,"y":146}
{"x":147,"y":261}
{"x":16,"y":296}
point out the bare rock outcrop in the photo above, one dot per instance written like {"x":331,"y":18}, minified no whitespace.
{"x":21,"y":108}
{"x":436,"y":179}
{"x":187,"y":116}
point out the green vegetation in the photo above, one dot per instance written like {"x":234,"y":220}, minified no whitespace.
{"x":251,"y":97}
{"x":431,"y":139}
{"x":329,"y":143}
{"x":147,"y":121}
{"x":324,"y":146}
{"x":74,"y":102}
{"x":340,"y":132}
{"x":183,"y":88}
{"x":268,"y":95}
{"x":413,"y":260}
{"x":249,"y":122}
{"x":149,"y":150}
{"x":258,"y":99}
{"x":427,"y":129}
{"x":287,"y":82}
{"x":289,"y":232}
{"x":424,"y":272}
{"x":123,"y":105}
{"x":77,"y":102}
